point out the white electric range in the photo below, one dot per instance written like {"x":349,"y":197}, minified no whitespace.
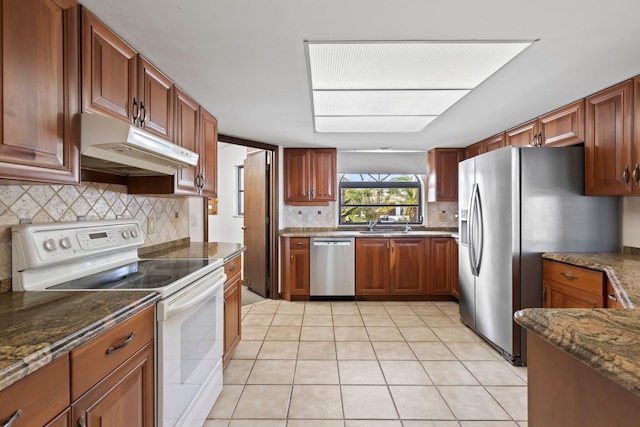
{"x":102,"y":255}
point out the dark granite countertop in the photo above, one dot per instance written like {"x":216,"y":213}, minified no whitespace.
{"x":38,"y":327}
{"x":607,"y":340}
{"x":382,"y":231}
{"x":223,"y":250}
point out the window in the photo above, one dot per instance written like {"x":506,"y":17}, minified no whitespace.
{"x":390,"y":198}
{"x":240,"y":186}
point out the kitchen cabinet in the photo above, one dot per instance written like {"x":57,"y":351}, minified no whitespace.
{"x":608,"y":142}
{"x":186,"y":131}
{"x":232,"y":307}
{"x":391,"y":266}
{"x":494,"y":142}
{"x":108,"y":381}
{"x":523,"y":135}
{"x":444,"y":266}
{"x":295,"y":268}
{"x":41,"y":396}
{"x":568,"y":286}
{"x":474,"y":150}
{"x":40,"y":92}
{"x":120,"y":83}
{"x":208,"y":150}
{"x":442,"y":174}
{"x":309,"y":176}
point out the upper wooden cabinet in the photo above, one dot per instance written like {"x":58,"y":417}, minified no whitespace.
{"x":442,"y":174}
{"x":562,"y":127}
{"x":309,"y":175}
{"x":474,"y":150}
{"x":208,"y":149}
{"x":523,"y":135}
{"x":186,"y":131}
{"x":40,"y":91}
{"x":609,"y":169}
{"x":120,"y":83}
{"x":494,"y":143}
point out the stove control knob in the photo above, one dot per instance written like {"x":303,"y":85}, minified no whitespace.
{"x":125,"y":234}
{"x":134,"y":233}
{"x":65,"y":243}
{"x":49,"y":245}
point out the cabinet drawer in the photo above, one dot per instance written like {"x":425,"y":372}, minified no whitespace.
{"x":299,"y":243}
{"x":583,"y":278}
{"x":233,"y":267}
{"x":41,"y":395}
{"x":91,"y":362}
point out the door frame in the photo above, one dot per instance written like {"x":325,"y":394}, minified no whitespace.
{"x":272,"y":203}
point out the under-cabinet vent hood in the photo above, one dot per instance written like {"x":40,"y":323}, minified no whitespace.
{"x":113,"y":146}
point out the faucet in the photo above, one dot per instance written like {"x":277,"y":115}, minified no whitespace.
{"x":407,"y":227}
{"x":373,"y":223}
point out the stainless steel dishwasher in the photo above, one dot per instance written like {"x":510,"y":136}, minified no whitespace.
{"x":332,"y":269}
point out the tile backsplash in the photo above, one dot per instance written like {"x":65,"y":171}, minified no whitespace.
{"x":442,"y":214}
{"x":53,"y":203}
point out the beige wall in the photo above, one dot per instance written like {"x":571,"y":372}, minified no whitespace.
{"x":631,"y":221}
{"x":51,"y":203}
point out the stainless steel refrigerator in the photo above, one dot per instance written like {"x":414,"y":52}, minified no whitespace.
{"x":514,"y":204}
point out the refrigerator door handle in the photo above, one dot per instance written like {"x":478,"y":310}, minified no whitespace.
{"x":478,"y":245}
{"x":472,"y":232}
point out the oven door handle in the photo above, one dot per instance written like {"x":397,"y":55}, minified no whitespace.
{"x":193,"y":296}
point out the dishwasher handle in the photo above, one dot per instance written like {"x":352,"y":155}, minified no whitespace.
{"x":331,"y":243}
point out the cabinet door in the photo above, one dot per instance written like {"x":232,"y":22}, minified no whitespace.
{"x":522,"y":135}
{"x":608,"y":141}
{"x":442,"y":266}
{"x":372,"y":267}
{"x":299,"y":267}
{"x":564,"y":126}
{"x":124,"y":398}
{"x":109,"y":71}
{"x":408,"y":267}
{"x":208,"y":150}
{"x":474,"y":150}
{"x":186,"y":130}
{"x":232,"y":321}
{"x":494,"y":142}
{"x":156,"y":101}
{"x":636,"y":136}
{"x":40,"y":91}
{"x":442,"y":174}
{"x":323,"y":174}
{"x":557,"y":295}
{"x":61,"y":420}
{"x":296,"y":175}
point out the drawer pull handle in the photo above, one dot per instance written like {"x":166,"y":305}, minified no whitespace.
{"x":233,"y":267}
{"x":11,"y":420}
{"x":569,"y":275}
{"x":612,"y":297}
{"x":122,"y":344}
{"x":299,"y":243}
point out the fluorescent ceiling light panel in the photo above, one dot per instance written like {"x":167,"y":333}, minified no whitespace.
{"x":372,"y":124}
{"x":404,"y":78}
{"x":384,"y":102}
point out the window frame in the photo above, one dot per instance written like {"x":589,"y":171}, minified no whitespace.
{"x":377,"y":184}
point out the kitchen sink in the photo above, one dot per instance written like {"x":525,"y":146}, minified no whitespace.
{"x":383,"y":231}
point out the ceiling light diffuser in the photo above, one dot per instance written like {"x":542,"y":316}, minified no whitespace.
{"x":396,"y":86}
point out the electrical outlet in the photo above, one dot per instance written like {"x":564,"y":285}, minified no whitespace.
{"x":151,"y":224}
{"x":194,"y":220}
{"x":442,"y":217}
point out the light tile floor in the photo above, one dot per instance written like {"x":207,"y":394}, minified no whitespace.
{"x":366,"y":364}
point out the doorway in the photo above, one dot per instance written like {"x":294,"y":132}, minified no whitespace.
{"x":248,"y":186}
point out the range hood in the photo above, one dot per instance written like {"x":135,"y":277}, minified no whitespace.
{"x":113,"y":146}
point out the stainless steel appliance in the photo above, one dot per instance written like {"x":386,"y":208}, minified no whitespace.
{"x":332,"y":268}
{"x":514,"y":204}
{"x":102,"y":255}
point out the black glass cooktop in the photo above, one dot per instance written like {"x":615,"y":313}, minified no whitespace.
{"x":144,"y":274}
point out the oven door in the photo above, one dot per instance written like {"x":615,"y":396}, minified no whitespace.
{"x":190,"y":346}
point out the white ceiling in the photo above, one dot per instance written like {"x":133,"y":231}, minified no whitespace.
{"x":244,"y":60}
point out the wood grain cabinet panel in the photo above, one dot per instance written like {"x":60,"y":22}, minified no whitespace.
{"x":494,"y":143}
{"x":40,"y":88}
{"x":156,"y":100}
{"x":523,"y":135}
{"x":186,"y":129}
{"x":408,"y":266}
{"x":442,"y":174}
{"x":295,"y":268}
{"x":373,"y":267}
{"x":474,"y":150}
{"x":232,"y":307}
{"x":444,"y":266}
{"x":563,"y":127}
{"x":569,"y":286}
{"x":608,"y":141}
{"x":309,"y":175}
{"x":208,"y":150}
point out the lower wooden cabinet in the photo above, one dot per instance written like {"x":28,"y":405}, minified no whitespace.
{"x":232,"y":307}
{"x":392,"y":266}
{"x":569,"y":286}
{"x":111,"y":391}
{"x":295,"y":268}
{"x":444,"y":266}
{"x":123,"y":398}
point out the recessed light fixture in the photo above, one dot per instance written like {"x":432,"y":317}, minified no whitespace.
{"x":397,"y":86}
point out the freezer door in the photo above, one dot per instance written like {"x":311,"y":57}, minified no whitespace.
{"x":496,"y":176}
{"x":466,"y":180}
